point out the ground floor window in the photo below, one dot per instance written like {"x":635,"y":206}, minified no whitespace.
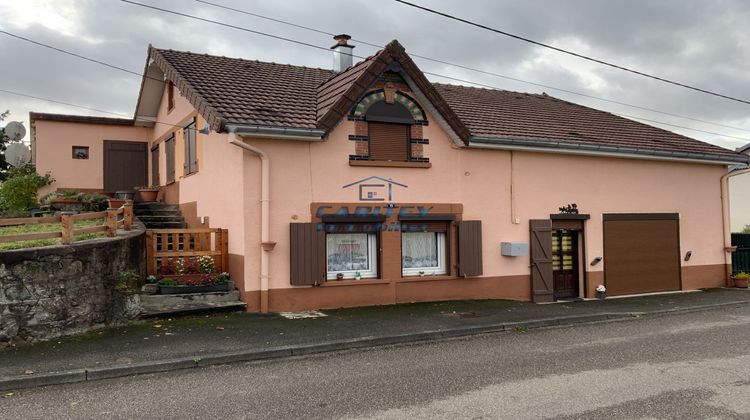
{"x":423,"y":253}
{"x":351,"y":255}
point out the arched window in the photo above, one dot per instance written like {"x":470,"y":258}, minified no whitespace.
{"x":385,"y":122}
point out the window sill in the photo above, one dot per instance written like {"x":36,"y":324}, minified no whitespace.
{"x":334,"y":283}
{"x":390,"y":164}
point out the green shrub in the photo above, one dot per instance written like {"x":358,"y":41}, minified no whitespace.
{"x":18,"y":191}
{"x":94,"y":202}
{"x":128,"y":282}
{"x":168,"y":282}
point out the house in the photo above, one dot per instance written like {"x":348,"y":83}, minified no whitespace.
{"x":739,"y":191}
{"x":368,"y":184}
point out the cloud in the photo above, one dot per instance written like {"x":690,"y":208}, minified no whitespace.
{"x":705,"y":45}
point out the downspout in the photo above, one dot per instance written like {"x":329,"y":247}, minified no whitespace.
{"x":265,"y":222}
{"x":726,"y":228}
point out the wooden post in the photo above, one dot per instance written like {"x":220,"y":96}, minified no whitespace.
{"x":111,"y":221}
{"x":150,"y":253}
{"x":127,"y":214}
{"x":66,"y":221}
{"x":224,"y":250}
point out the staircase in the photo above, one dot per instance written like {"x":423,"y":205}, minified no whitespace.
{"x":159,"y":215}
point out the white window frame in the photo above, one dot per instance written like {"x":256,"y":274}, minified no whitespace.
{"x":372,"y":257}
{"x":427,"y":271}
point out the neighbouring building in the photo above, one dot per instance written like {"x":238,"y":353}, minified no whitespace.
{"x":368,"y":184}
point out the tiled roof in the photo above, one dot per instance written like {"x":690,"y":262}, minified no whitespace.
{"x":244,"y":92}
{"x":497,"y":113}
{"x":252,"y":92}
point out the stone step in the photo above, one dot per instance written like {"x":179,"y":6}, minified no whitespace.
{"x":160,"y":219}
{"x":165,"y":225}
{"x":157,"y":212}
{"x":190,"y":303}
{"x":155,"y":206}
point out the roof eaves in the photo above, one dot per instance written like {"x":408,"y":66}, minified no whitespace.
{"x":214,"y":119}
{"x":86,"y":119}
{"x":556,"y":146}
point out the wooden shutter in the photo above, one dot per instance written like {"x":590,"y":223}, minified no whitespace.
{"x":308,"y":254}
{"x":155,"y":166}
{"x":169,"y":144}
{"x":191,"y":160}
{"x":542,"y":281}
{"x":470,"y":248}
{"x":389,"y":141}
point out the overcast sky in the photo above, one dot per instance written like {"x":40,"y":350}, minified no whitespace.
{"x":701,"y":43}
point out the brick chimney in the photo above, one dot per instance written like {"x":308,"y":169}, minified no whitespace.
{"x":342,"y":53}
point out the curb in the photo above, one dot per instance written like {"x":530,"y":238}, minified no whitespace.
{"x":166,"y":365}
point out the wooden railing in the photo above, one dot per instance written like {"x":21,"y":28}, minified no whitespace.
{"x":165,"y":245}
{"x":112,"y":222}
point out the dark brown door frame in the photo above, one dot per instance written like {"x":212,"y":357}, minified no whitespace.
{"x":576,"y":221}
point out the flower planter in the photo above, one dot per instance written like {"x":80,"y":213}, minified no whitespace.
{"x":115,"y":203}
{"x":148,"y":195}
{"x":67,"y":204}
{"x":172,"y":290}
{"x":741,"y":283}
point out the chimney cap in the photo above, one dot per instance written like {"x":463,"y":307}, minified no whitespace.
{"x":341,"y":41}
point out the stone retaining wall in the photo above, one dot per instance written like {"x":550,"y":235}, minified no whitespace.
{"x":53,"y":291}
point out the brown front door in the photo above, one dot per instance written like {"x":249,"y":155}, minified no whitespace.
{"x":565,"y":263}
{"x":125,"y":165}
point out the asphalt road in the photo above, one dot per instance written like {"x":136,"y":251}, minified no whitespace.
{"x":684,"y":366}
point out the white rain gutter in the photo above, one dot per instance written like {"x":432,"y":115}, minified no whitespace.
{"x":303,"y":134}
{"x":551,"y":146}
{"x":725,"y":219}
{"x":265,"y":221}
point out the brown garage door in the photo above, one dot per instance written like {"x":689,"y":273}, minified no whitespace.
{"x":641,"y":253}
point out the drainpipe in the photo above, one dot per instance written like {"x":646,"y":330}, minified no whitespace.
{"x":726,"y":228}
{"x":266,"y":245}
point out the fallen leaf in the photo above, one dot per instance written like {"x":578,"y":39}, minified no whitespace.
{"x":8,"y":395}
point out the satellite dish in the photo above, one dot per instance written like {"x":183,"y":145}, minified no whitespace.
{"x":17,"y":154}
{"x":15,"y":131}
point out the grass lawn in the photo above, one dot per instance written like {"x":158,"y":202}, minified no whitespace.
{"x":45,"y":227}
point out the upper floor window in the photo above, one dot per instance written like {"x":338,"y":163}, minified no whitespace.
{"x":388,"y":131}
{"x":170,"y":96}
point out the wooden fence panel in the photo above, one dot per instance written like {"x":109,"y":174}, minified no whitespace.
{"x":165,"y":245}
{"x":67,"y":224}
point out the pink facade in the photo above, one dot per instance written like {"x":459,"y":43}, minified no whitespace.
{"x":53,"y":143}
{"x":480,"y":180}
{"x":504,"y":189}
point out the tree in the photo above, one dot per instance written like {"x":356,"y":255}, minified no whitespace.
{"x":18,"y":191}
{"x":4,"y":140}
